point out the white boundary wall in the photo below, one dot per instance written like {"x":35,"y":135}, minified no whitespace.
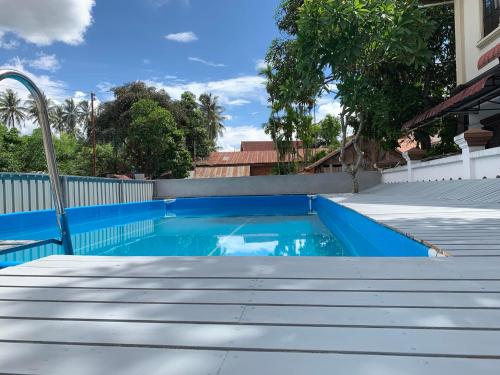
{"x":467,"y":166}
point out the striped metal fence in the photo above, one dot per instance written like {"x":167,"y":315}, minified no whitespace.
{"x":28,"y":192}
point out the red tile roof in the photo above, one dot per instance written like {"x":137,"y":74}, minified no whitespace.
{"x":240,"y":158}
{"x":489,"y":56}
{"x":484,"y":85}
{"x":219,"y":172}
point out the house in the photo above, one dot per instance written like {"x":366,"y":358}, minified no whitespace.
{"x":236,"y":164}
{"x":256,"y":158}
{"x":374,"y":157}
{"x":476,"y":100}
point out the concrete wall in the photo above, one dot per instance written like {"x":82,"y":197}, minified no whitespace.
{"x":264,"y":185}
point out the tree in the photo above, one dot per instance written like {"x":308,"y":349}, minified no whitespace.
{"x":12,"y":113}
{"x":10,"y":142}
{"x":346,"y":43}
{"x":191,"y":121}
{"x":115,"y":117}
{"x":154,"y":143}
{"x":71,"y":116}
{"x":213,"y":116}
{"x":32,"y":109}
{"x":329,"y":132}
{"x":57,"y":119}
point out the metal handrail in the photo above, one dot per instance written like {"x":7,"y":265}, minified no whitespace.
{"x":50,"y":155}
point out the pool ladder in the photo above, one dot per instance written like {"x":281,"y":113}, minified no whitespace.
{"x":50,"y":155}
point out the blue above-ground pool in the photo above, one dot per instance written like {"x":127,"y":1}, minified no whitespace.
{"x":221,"y":226}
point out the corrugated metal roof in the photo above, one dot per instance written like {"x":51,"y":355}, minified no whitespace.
{"x":240,"y":158}
{"x":263,"y":145}
{"x":221,"y":172}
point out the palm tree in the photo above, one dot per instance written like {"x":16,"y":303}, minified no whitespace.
{"x":70,"y":116}
{"x":213,"y":114}
{"x":57,"y":119}
{"x":12,"y":112}
{"x":32,"y":109}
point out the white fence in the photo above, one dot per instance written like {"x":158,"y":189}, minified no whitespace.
{"x":28,"y":192}
{"x":467,"y":166}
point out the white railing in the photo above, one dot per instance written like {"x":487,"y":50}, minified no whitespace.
{"x":467,"y":166}
{"x":29,"y":192}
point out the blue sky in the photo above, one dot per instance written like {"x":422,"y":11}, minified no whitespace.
{"x":73,"y":47}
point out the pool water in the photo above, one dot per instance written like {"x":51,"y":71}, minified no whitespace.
{"x":218,"y":236}
{"x":224,"y":226}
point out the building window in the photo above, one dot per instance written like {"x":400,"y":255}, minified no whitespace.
{"x":491,"y":15}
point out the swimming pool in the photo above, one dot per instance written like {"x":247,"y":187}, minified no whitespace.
{"x":221,"y":226}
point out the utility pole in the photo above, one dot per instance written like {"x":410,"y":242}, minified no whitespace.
{"x":92,"y":124}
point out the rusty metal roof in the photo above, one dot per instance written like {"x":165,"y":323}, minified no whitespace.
{"x":264,"y":145}
{"x":220,"y":172}
{"x":240,"y":158}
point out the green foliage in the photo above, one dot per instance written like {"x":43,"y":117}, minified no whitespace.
{"x":329,"y":132}
{"x":154,"y":143}
{"x":12,"y":112}
{"x":213,"y":116}
{"x":194,"y":125}
{"x":161,"y":142}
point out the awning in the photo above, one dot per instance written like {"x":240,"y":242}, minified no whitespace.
{"x":469,"y":99}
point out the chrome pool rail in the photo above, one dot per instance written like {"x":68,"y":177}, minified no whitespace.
{"x":48,"y":145}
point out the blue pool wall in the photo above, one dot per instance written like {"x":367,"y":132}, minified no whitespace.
{"x":363,"y":236}
{"x":239,"y":206}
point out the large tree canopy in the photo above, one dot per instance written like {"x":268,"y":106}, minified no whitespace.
{"x":154,"y":143}
{"x":382,"y":59}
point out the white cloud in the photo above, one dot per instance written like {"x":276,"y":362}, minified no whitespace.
{"x":209,"y":63}
{"x":327,"y":106}
{"x":146,"y":61}
{"x":7,"y":44}
{"x":47,"y":21}
{"x":228,"y":117}
{"x":231,"y":92}
{"x":184,"y":37}
{"x":233,"y":136}
{"x":260,"y":64}
{"x":238,"y":102}
{"x":45,"y":62}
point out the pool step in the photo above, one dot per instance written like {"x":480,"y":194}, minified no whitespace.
{"x":10,"y":246}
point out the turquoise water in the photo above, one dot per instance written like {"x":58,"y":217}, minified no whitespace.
{"x":204,"y":236}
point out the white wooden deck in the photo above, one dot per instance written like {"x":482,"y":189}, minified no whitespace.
{"x":462,"y":218}
{"x":247,"y":316}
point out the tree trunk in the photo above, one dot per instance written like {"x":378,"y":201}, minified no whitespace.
{"x":355,"y":167}
{"x":343,"y":125}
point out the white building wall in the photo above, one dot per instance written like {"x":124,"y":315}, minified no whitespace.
{"x":470,"y":41}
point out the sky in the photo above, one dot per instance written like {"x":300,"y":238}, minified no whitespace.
{"x":73,"y":47}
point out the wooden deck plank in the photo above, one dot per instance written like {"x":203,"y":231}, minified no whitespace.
{"x":44,"y":359}
{"x":381,"y":341}
{"x":410,"y":285}
{"x":255,"y":315}
{"x":271,"y":298}
{"x":83,"y":360}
